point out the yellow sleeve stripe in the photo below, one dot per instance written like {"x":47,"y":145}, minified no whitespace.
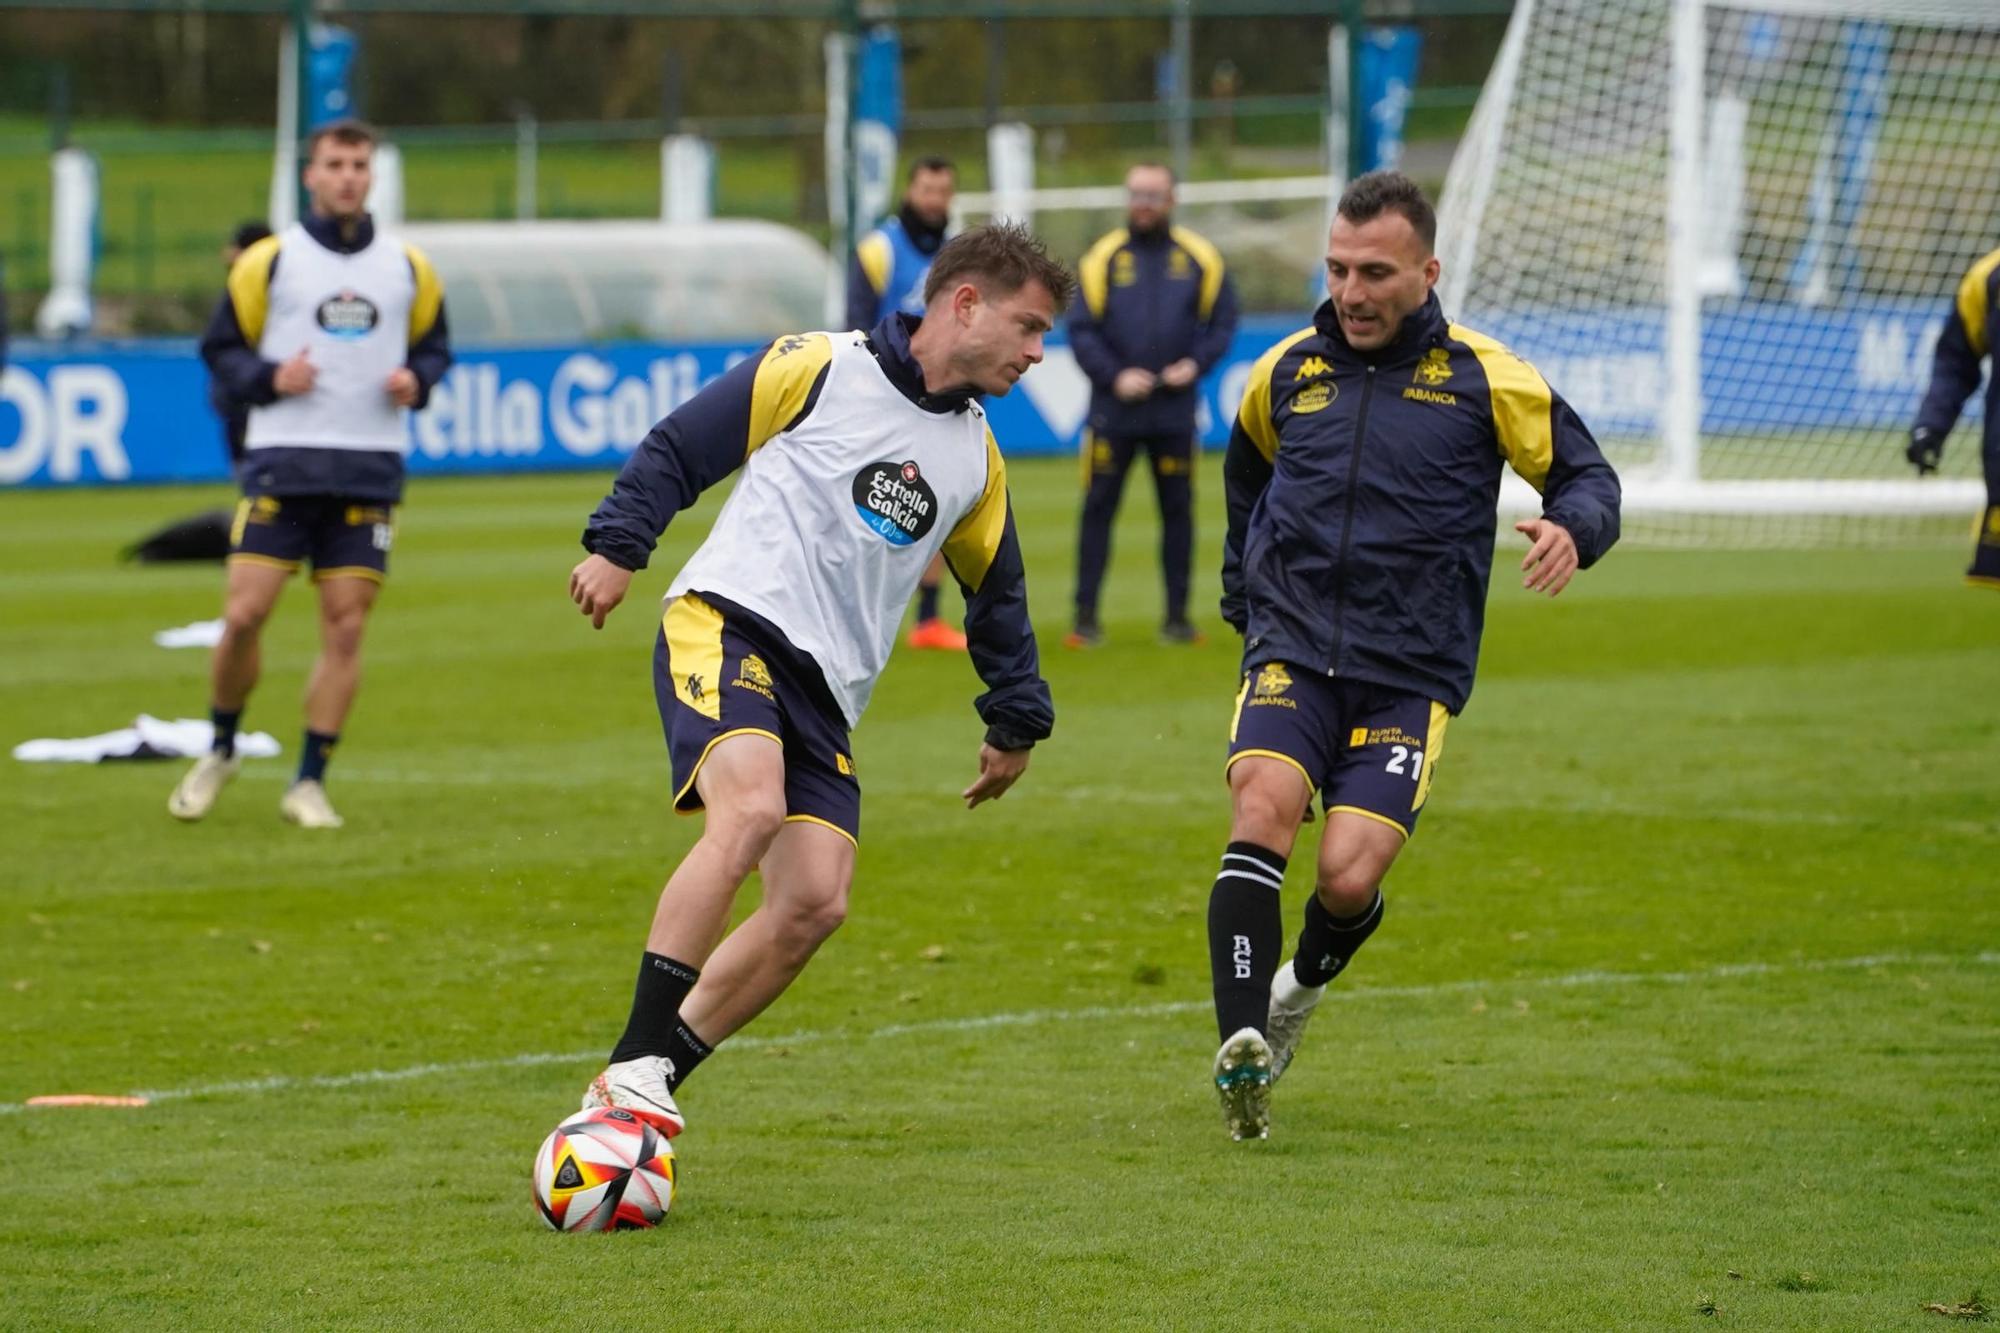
{"x":1521,"y":402}
{"x":975,"y":541}
{"x":1208,"y":259}
{"x":429,"y":299}
{"x":1255,"y":413}
{"x":1972,"y":303}
{"x":250,"y":287}
{"x":785,"y":378}
{"x":1093,"y":273}
{"x":874,"y":254}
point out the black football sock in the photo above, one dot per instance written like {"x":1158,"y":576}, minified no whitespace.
{"x":656,"y":1007}
{"x":315,"y":754}
{"x":686,"y":1051}
{"x":1246,"y":935}
{"x":225,"y":731}
{"x":927,"y":599}
{"x":1328,"y":942}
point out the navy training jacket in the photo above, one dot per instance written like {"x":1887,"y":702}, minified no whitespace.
{"x":1362,"y":487}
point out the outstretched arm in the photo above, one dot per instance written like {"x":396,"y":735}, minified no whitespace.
{"x":984,"y":555}
{"x":697,"y":445}
{"x":1961,"y":345}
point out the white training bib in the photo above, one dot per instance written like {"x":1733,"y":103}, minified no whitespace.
{"x":833,"y":521}
{"x":351,"y":314}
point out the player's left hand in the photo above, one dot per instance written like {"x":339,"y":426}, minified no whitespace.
{"x":1181,"y":373}
{"x":998,"y":770}
{"x":1552,"y":561}
{"x":597,"y":587}
{"x":402,"y":386}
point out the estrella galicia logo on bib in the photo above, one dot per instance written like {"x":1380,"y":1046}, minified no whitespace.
{"x":896,"y":501}
{"x":348,"y":315}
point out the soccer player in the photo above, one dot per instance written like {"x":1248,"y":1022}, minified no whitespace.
{"x":1970,"y":328}
{"x":234,"y":412}
{"x":887,"y":276}
{"x":1361,"y":481}
{"x":332,"y":331}
{"x":1156,"y":311}
{"x":863,"y":455}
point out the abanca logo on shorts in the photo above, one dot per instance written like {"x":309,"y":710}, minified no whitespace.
{"x":895,"y":501}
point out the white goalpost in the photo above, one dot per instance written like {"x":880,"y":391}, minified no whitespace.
{"x":1729,"y":231}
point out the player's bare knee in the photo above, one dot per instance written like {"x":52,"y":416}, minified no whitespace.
{"x":1266,"y":813}
{"x":810,"y":919}
{"x":744,"y":827}
{"x":1346,"y":890}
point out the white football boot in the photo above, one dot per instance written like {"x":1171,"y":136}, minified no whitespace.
{"x":1243,"y":1081}
{"x":639,"y":1086}
{"x":1292,"y":1003}
{"x":304,"y":803}
{"x":195,"y":794}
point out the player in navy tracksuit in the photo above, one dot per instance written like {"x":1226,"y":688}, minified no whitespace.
{"x":1362,"y":477}
{"x":1970,"y":330}
{"x":887,"y":278}
{"x":1155,"y":310}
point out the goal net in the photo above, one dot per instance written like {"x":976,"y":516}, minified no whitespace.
{"x":1729,"y":232}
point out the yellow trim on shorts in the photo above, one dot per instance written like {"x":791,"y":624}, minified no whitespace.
{"x":1312,"y":788}
{"x":1368,"y":814}
{"x":268,"y":561}
{"x":688,"y":786}
{"x":826,"y":823}
{"x":1433,"y":747}
{"x":694,"y":645}
{"x":349,"y":572}
{"x":1982,"y":581}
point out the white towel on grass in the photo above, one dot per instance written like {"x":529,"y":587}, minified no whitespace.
{"x":147,"y":738}
{"x":200,"y":634}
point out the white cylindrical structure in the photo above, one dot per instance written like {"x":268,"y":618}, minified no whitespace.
{"x":385,"y":192}
{"x":284,"y":202}
{"x":1680,"y":417}
{"x":687,"y":179}
{"x":1010,"y":166}
{"x":66,"y":311}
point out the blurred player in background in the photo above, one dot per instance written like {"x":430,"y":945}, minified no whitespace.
{"x":863,"y":456}
{"x":1970,"y":327}
{"x":1361,"y":480}
{"x":887,"y":276}
{"x":1155,"y":312}
{"x":331,"y":331}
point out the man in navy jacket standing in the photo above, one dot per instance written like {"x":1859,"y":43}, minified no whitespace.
{"x":1154,"y":312}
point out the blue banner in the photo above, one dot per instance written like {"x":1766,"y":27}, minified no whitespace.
{"x":330,"y":75}
{"x":1388,"y":74}
{"x":138,"y":411}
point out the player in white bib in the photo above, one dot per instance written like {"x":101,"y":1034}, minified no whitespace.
{"x":331,"y":331}
{"x":863,"y":455}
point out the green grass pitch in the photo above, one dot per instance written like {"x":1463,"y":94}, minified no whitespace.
{"x":1684,"y":1009}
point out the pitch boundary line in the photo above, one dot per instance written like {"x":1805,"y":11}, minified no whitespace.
{"x":1592,"y":978}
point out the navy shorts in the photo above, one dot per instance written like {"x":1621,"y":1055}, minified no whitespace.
{"x":343,"y":538}
{"x":1366,"y":749}
{"x":719,"y":672}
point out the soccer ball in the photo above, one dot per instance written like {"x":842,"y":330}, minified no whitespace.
{"x":604,"y":1170}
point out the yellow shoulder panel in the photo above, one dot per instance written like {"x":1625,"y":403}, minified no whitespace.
{"x":874,"y":254}
{"x":1521,"y":402}
{"x":785,"y":378}
{"x":1255,"y":412}
{"x":975,"y":541}
{"x":1208,"y":259}
{"x":250,"y":287}
{"x":430,"y":293}
{"x":1093,"y":271}
{"x":1972,"y":309}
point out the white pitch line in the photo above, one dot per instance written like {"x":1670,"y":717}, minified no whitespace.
{"x":1041,"y":1017}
